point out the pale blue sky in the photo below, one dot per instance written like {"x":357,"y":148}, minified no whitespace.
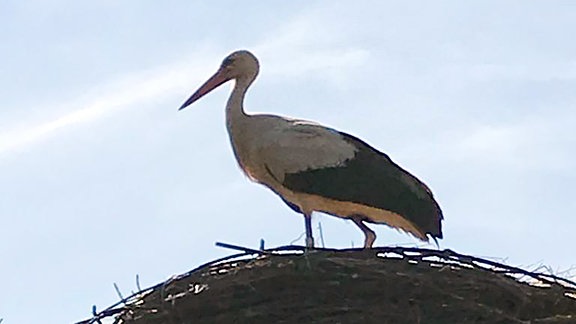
{"x":102,"y":179}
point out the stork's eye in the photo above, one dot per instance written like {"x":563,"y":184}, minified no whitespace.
{"x":227,"y":61}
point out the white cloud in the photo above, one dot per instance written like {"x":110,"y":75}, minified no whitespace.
{"x":536,"y":142}
{"x":158,"y":83}
{"x":115,"y":96}
{"x":306,"y":44}
{"x":535,"y":71}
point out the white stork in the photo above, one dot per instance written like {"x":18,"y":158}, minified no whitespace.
{"x":316,"y":168}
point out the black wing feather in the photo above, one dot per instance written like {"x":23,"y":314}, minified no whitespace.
{"x":373,"y":179}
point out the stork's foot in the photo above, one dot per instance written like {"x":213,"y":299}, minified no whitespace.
{"x":369,"y":239}
{"x":369,"y":235}
{"x":310,"y":242}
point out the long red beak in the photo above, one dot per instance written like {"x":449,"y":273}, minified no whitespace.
{"x":217,"y":79}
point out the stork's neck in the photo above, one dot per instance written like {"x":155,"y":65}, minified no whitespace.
{"x":237,"y":121}
{"x":235,"y":113}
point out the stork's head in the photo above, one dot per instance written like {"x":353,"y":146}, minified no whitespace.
{"x":240,"y":65}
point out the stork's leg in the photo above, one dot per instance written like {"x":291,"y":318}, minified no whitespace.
{"x":308,"y":223}
{"x":369,"y":234}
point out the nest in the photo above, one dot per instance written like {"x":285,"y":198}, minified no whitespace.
{"x":384,"y":285}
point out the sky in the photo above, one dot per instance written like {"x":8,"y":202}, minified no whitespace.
{"x":102,"y":179}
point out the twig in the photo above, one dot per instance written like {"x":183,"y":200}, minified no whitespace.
{"x":119,"y":293}
{"x":138,"y":282}
{"x":239,"y":248}
{"x":297,"y":239}
{"x":321,"y":234}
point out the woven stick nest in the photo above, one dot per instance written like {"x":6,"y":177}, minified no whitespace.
{"x":384,"y":285}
